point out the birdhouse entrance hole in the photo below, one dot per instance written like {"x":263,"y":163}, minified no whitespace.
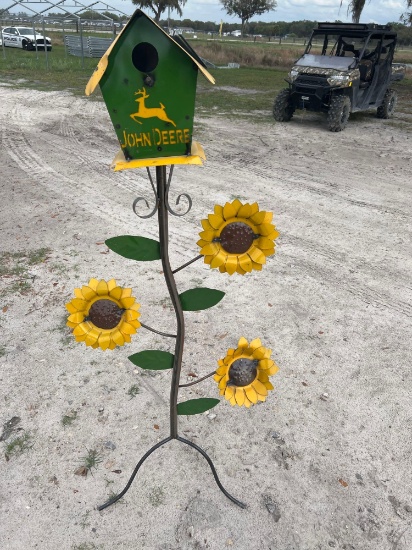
{"x":145,"y":57}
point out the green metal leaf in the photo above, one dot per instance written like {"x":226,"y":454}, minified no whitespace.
{"x":196,"y":406}
{"x":135,"y":248}
{"x":196,"y":299}
{"x":152,"y":359}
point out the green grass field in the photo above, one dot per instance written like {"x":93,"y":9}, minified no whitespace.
{"x":247,"y":91}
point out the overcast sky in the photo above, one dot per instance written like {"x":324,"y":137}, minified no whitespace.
{"x":378,"y":11}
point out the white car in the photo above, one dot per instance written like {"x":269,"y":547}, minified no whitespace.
{"x":24,"y":37}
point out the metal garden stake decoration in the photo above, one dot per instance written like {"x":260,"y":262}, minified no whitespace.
{"x":148,"y":81}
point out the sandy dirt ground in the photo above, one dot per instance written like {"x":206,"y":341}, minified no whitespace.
{"x":326,"y":461}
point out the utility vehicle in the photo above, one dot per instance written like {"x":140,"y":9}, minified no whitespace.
{"x":346,"y":67}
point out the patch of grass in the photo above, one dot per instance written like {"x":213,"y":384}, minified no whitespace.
{"x":92,"y":459}
{"x":85,"y":520}
{"x":68,"y":419}
{"x":19,"y":445}
{"x":133,"y":391}
{"x":86,"y":546}
{"x":66,"y":333}
{"x":14,"y":266}
{"x":156,"y":496}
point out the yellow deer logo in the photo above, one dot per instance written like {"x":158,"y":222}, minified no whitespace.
{"x":149,"y":112}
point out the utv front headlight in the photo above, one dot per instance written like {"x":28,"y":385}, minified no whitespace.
{"x":339,"y":80}
{"x":293,"y":74}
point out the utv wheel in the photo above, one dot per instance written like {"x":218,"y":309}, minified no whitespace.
{"x":24,"y":44}
{"x":339,"y":111}
{"x":282,"y":108}
{"x":389,"y":102}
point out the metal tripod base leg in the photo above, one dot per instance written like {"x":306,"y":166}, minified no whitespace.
{"x":150,"y":451}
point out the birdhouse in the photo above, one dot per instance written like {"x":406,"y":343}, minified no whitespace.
{"x":148,"y":82}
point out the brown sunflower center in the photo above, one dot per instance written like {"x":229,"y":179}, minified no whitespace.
{"x":105,"y":314}
{"x":237,"y":237}
{"x":242,"y":372}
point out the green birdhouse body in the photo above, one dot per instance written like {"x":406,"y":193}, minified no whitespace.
{"x":148,"y":82}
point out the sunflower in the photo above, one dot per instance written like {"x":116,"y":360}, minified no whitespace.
{"x":237,"y":237}
{"x":103,"y":314}
{"x":243,"y":375}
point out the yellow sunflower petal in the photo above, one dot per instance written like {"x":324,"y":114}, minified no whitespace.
{"x":251,"y":394}
{"x":229,"y":211}
{"x":269,"y":386}
{"x":104,"y":340}
{"x":116,"y":292}
{"x":223,"y":382}
{"x":127,"y":338}
{"x":232,"y":401}
{"x":261,"y":397}
{"x":237,"y":205}
{"x":78,"y":293}
{"x":111,"y":285}
{"x":268,"y":217}
{"x":70,"y":308}
{"x":257,"y":267}
{"x":273,"y":370}
{"x":126,"y":293}
{"x":221,"y":371}
{"x":102,"y":289}
{"x":218,"y":260}
{"x":245,"y":262}
{"x":259,"y":353}
{"x":258,"y":218}
{"x":93,"y":283}
{"x":266,"y":229}
{"x":88,"y":293}
{"x":230,"y":351}
{"x":231,"y":264}
{"x":207,"y":235}
{"x":76,"y":317}
{"x":92,"y":337}
{"x":265,"y":364}
{"x":135,"y":323}
{"x":259,"y":387}
{"x":268,"y":252}
{"x":131,"y":315}
{"x":216,"y":221}
{"x":257,"y":255}
{"x":240,"y":270}
{"x":255,"y":208}
{"x":262,"y":375}
{"x":243,"y":343}
{"x":201,"y":243}
{"x":81,"y":329}
{"x":127,"y":302}
{"x":247,"y":403}
{"x":245,"y":211}
{"x":218,"y":210}
{"x":255,"y":344}
{"x":210,"y":249}
{"x":217,"y":377}
{"x":80,"y":305}
{"x":264,"y":243}
{"x":127,"y":328}
{"x":240,"y":396}
{"x":118,"y":337}
{"x":222,"y":269}
{"x":112,"y":344}
{"x":206,"y":225}
{"x":229,"y":392}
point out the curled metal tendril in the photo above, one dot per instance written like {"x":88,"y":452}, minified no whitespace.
{"x":136,"y":201}
{"x":187,"y":197}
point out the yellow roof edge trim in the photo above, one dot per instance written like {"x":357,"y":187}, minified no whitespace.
{"x":197,"y":155}
{"x":104,"y":61}
{"x":101,"y":67}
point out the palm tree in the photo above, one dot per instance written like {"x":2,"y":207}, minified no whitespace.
{"x":355,"y":7}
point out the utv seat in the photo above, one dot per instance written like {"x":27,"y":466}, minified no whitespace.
{"x":366,"y":70}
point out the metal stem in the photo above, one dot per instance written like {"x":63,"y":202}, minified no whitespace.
{"x":197,"y":381}
{"x":187,"y":263}
{"x":119,"y":496}
{"x":202,"y":452}
{"x":158,"y":331}
{"x":174,"y":295}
